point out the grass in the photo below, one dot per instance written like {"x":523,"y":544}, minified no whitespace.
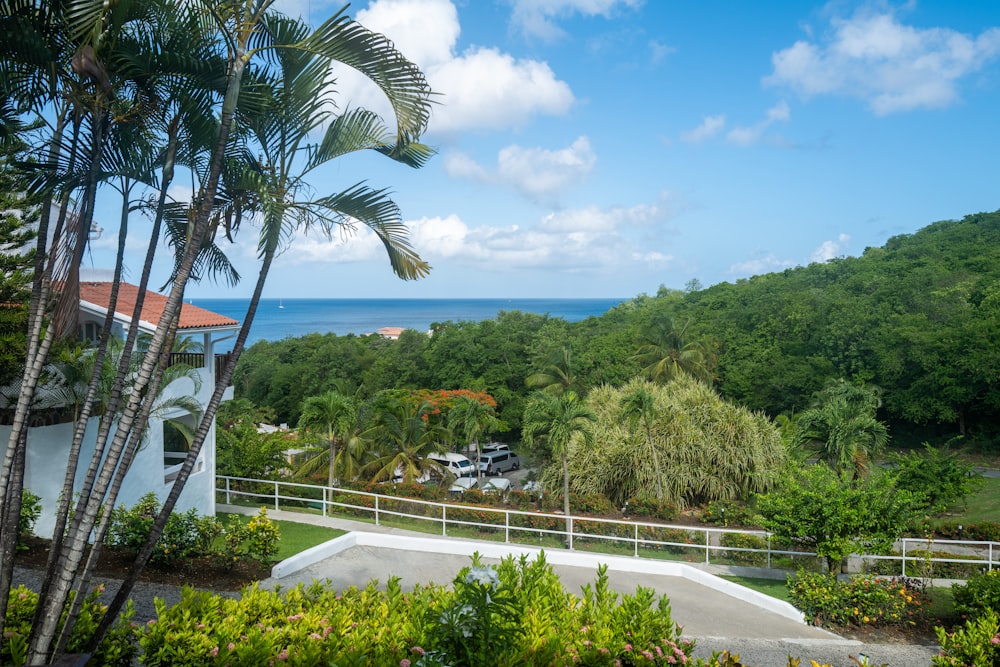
{"x":983,"y":505}
{"x":775,"y":588}
{"x":295,"y":537}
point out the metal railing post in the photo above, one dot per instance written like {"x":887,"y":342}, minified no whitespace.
{"x":769,"y":551}
{"x":444,"y":520}
{"x":228,"y":502}
{"x":569,"y":525}
{"x":276,"y":496}
{"x":325,"y":499}
{"x":904,"y":556}
{"x":706,"y":546}
{"x":636,"y":542}
{"x":990,"y":567}
{"x":506,"y":527}
{"x":376,"y":510}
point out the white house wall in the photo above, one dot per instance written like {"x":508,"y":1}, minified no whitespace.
{"x":48,"y":453}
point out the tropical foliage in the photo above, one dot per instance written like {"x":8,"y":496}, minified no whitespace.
{"x":705,"y":448}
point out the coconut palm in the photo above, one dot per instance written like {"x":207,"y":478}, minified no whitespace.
{"x":405,"y":437}
{"x":555,"y":424}
{"x":639,"y":407}
{"x":556,"y":376}
{"x":472,"y":419}
{"x":842,"y":422}
{"x":665,"y":352}
{"x":336,"y":415}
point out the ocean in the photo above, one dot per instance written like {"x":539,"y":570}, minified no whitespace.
{"x":284,"y":318}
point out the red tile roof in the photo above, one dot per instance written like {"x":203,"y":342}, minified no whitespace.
{"x":192,"y":317}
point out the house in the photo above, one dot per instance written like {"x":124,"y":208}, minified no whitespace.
{"x":159,"y":459}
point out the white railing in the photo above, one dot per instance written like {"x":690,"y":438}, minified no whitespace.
{"x":698,"y":543}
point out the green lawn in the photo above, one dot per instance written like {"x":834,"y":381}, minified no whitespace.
{"x":984,"y":505}
{"x":776,"y":588}
{"x":295,"y":537}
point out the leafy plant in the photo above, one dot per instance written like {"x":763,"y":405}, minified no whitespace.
{"x":938,"y":478}
{"x":31,"y":509}
{"x":256,"y":539}
{"x":860,"y":601}
{"x":185,"y":535}
{"x":978,"y":594}
{"x":976,"y":643}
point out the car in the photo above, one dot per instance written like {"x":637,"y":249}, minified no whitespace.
{"x":457,"y":464}
{"x":499,"y":485}
{"x":498,"y":462}
{"x":495,"y":447}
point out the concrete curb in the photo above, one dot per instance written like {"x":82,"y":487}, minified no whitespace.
{"x":554,"y":556}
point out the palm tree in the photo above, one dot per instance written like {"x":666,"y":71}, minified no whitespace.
{"x":557,"y":376}
{"x":665,"y":352}
{"x":639,"y":407}
{"x":555,"y":423}
{"x":842,"y":421}
{"x":472,"y":419}
{"x":336,"y":415}
{"x":406,"y":437}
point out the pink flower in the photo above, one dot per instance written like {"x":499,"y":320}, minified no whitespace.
{"x":230,"y":646}
{"x":214,"y":652}
{"x":628,"y":647}
{"x":404,"y":663}
{"x":295,"y":617}
{"x":283,"y":655}
{"x":418,"y":650}
{"x":315,"y":635}
{"x":649,"y":655}
{"x":995,"y":640}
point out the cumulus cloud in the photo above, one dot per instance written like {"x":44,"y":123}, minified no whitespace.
{"x":539,"y":174}
{"x":891,"y":66}
{"x":538,"y":19}
{"x":747,"y":136}
{"x":589,"y":239}
{"x":481,"y":88}
{"x":758,"y":265}
{"x":710,"y":127}
{"x":830,"y":249}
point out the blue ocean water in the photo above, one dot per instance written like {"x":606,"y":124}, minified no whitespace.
{"x":283,"y":318}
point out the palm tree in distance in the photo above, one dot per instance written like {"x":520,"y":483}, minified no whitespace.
{"x":553,"y":423}
{"x":557,"y":376}
{"x":472,"y":419}
{"x":665,"y":352}
{"x":335,"y":415}
{"x":842,"y":422}
{"x":406,"y":437}
{"x":639,"y":408}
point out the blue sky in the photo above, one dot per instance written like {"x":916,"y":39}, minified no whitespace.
{"x":603,"y":148}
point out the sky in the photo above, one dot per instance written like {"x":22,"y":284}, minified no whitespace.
{"x":608,"y":148}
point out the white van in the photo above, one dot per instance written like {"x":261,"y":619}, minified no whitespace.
{"x":457,"y":464}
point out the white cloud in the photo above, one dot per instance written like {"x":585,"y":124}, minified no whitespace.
{"x":759,"y":265}
{"x":830,"y":249}
{"x":481,"y":88}
{"x":891,"y":66}
{"x":709,"y":128}
{"x":535,"y":18}
{"x":747,"y":136}
{"x":584,"y":240}
{"x":539,"y":174}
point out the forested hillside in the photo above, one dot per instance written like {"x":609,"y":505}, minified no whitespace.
{"x":918,"y":317}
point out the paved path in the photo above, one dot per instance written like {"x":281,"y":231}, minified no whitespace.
{"x":716,"y":620}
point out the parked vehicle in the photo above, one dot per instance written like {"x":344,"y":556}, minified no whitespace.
{"x":457,"y":464}
{"x":495,"y":447}
{"x":499,"y":485}
{"x":498,"y":462}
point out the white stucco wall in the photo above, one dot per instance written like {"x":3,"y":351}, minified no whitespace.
{"x":48,"y":452}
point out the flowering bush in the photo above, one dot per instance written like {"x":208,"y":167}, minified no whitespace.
{"x":977,"y":643}
{"x":118,"y":649}
{"x":515,"y":613}
{"x":256,"y":540}
{"x":861,"y":601}
{"x":185,"y":535}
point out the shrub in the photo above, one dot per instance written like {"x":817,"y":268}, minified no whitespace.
{"x":31,"y":509}
{"x":986,"y":531}
{"x":255,"y":540}
{"x":651,"y":508}
{"x":728,"y":513}
{"x":978,"y":595}
{"x":744,"y":541}
{"x":185,"y":535}
{"x":119,"y":648}
{"x":976,"y":643}
{"x":514,"y":613}
{"x":860,"y":601}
